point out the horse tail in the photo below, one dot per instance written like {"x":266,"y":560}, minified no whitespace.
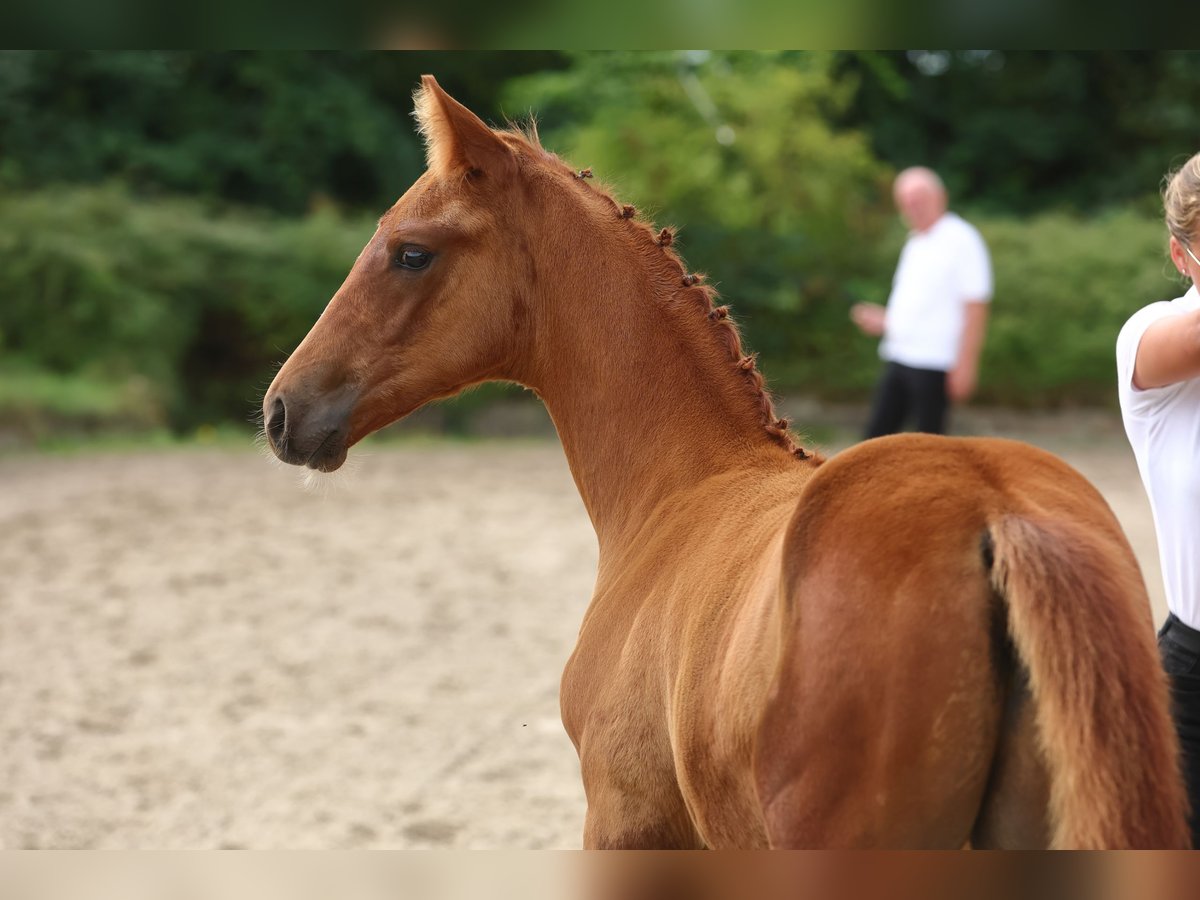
{"x":1078,"y":616}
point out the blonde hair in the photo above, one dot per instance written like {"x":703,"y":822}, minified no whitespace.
{"x":1181,"y":200}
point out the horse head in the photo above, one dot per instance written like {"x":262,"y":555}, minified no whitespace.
{"x":436,"y":301}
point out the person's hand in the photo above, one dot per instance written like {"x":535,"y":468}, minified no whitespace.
{"x":869,"y":318}
{"x":960,"y":383}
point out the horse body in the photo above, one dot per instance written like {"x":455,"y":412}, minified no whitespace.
{"x":755,"y":679}
{"x":920,"y":642}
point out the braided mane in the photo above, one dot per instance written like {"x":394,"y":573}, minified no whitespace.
{"x":693,"y":289}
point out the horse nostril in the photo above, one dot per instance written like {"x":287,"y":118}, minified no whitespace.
{"x":277,"y":424}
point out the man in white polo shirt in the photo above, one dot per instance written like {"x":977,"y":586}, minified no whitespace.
{"x":936,"y":315}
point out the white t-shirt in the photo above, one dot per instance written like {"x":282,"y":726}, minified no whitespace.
{"x":1163,"y":425}
{"x":940,"y":271}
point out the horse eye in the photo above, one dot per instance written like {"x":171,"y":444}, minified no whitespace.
{"x":413,"y":258}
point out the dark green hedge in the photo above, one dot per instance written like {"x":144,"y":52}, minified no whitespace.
{"x":187,"y":311}
{"x":1064,"y":288}
{"x":201,"y":306}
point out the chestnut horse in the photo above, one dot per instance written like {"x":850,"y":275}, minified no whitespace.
{"x":922,"y":642}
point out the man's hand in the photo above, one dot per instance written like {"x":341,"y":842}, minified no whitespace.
{"x":869,"y":318}
{"x":960,"y":383}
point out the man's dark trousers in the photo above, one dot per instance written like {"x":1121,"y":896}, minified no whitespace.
{"x":904,"y":390}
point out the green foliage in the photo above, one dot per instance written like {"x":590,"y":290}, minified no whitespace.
{"x":275,"y":130}
{"x":1025,"y":131}
{"x":280,"y":130}
{"x":132,"y":310}
{"x":200,"y":305}
{"x":1064,"y":288}
{"x":29,"y":393}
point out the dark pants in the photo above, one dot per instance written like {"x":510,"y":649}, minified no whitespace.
{"x":903,"y":390}
{"x":1179,"y":647}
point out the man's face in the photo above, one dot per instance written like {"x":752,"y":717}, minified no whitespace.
{"x":920,"y":203}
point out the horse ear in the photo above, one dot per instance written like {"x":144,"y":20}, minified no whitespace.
{"x":456,"y":140}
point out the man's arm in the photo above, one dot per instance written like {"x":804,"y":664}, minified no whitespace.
{"x":869,"y":317}
{"x":960,"y":382}
{"x":1168,"y":352}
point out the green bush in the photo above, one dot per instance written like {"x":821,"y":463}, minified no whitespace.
{"x":96,"y":283}
{"x":36,"y":405}
{"x":168,"y":311}
{"x":1064,"y":288}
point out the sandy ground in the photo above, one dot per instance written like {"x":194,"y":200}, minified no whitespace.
{"x":197,"y":652}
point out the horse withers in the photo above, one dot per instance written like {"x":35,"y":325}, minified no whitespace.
{"x":922,"y":642}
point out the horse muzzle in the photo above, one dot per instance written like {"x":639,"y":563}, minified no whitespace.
{"x":312,"y":433}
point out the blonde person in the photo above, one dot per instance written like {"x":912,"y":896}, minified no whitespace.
{"x":936,"y":315}
{"x":1158,"y":370}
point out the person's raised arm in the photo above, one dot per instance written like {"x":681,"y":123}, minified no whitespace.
{"x":1169,"y":352}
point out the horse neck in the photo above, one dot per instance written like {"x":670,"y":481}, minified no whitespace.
{"x":645,"y":392}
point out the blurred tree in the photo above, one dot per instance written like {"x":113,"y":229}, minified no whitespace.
{"x":1025,"y":131}
{"x":282,"y":130}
